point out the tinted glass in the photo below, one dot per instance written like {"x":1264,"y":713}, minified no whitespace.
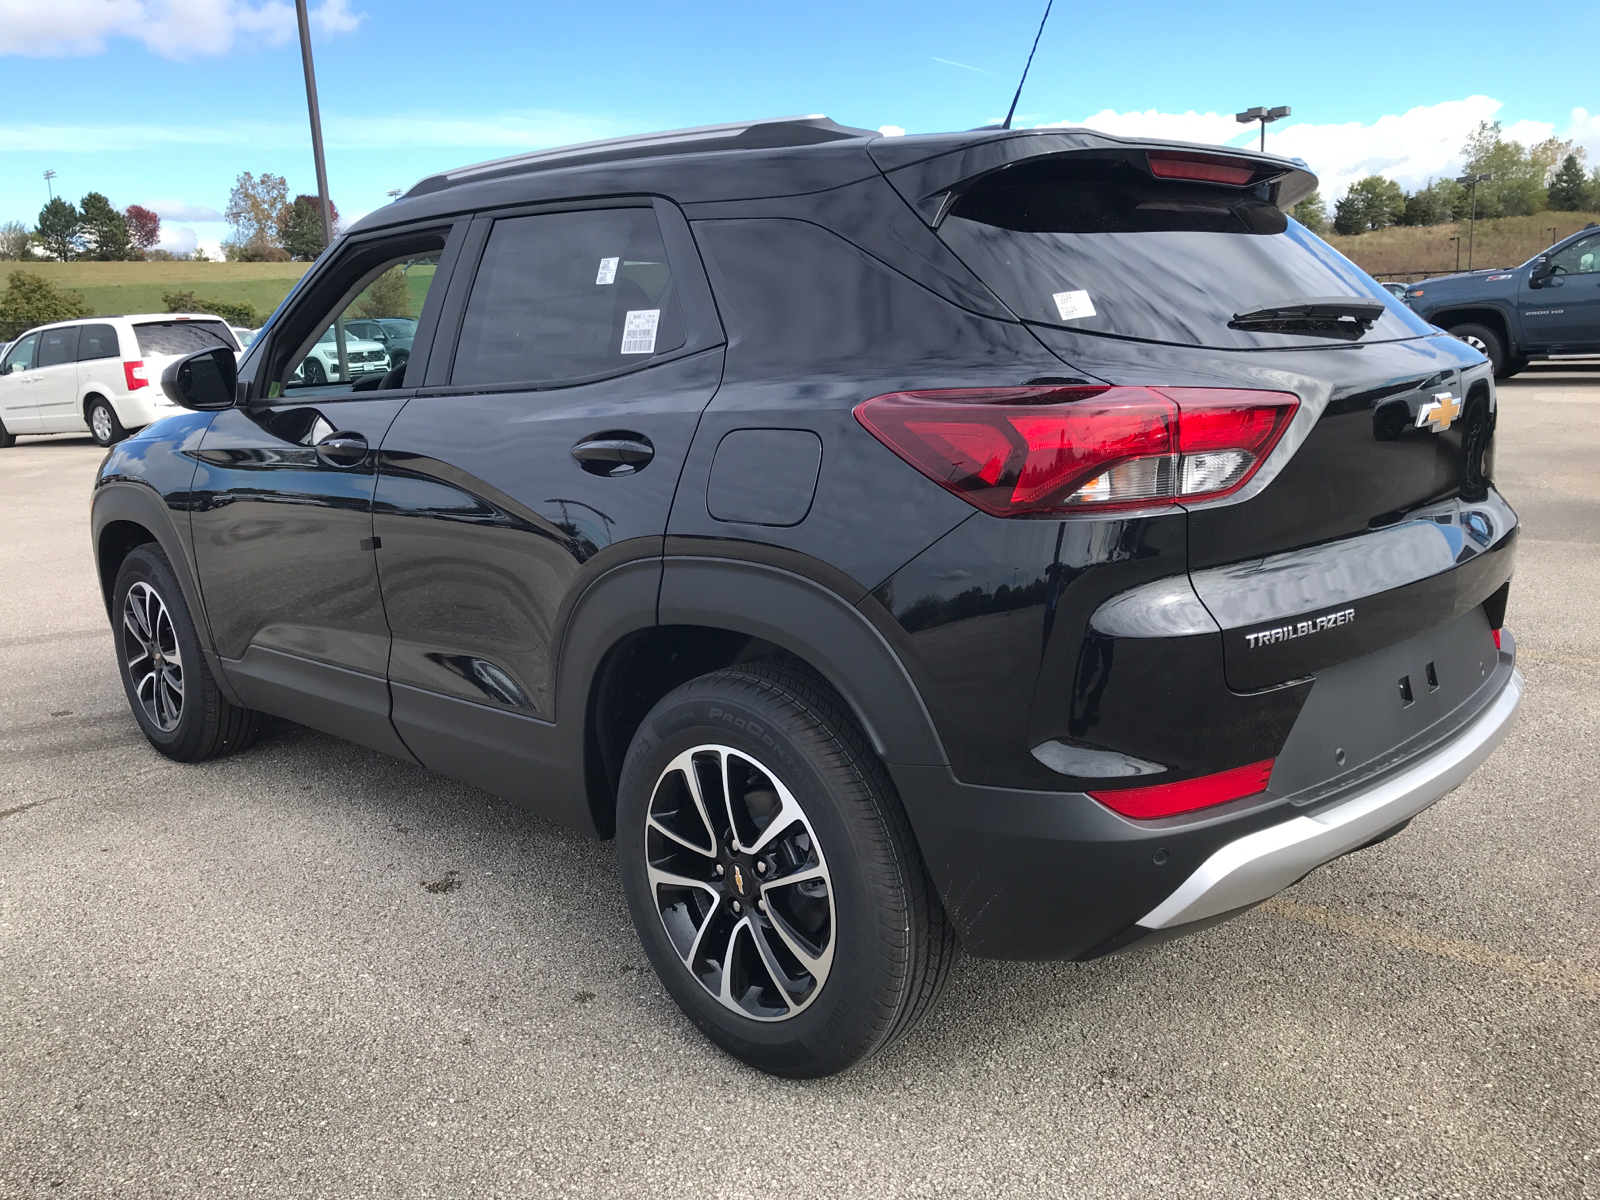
{"x":20,"y":356}
{"x":568,"y":296}
{"x":182,"y":337}
{"x":1102,"y":247}
{"x":58,"y":346}
{"x":98,"y":341}
{"x":1582,"y":257}
{"x":367,"y":361}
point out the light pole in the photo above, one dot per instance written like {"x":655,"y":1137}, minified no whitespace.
{"x":50,"y":187}
{"x":322,"y":166}
{"x":1472,"y":220}
{"x":1265,"y":116}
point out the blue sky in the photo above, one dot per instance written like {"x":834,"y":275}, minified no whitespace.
{"x":164,"y":102}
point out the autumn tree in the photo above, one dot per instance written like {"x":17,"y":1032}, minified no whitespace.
{"x":254,"y":206}
{"x":14,"y":240}
{"x":144,"y":227}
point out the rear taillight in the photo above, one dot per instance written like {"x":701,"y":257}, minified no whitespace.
{"x":1016,"y":451}
{"x":1170,"y":799}
{"x":134,"y":372}
{"x":1496,"y":633}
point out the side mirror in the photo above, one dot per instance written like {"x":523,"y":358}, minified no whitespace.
{"x":1542,"y":270}
{"x":206,"y":381}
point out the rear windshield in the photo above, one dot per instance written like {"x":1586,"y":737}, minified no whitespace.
{"x":1101,"y":247}
{"x":183,"y":337}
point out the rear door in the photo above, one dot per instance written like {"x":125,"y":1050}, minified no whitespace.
{"x":17,"y":408}
{"x":55,"y":381}
{"x":543,"y":453}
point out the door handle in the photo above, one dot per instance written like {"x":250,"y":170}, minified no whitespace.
{"x":343,"y":449}
{"x":614,"y":453}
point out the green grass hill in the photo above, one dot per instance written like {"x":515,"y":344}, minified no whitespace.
{"x":113,"y":288}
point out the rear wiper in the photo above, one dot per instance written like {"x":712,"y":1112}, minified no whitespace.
{"x":1329,"y":316}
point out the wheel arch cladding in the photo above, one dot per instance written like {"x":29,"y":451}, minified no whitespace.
{"x":1493,"y":318}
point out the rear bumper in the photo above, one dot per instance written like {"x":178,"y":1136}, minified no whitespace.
{"x":1261,"y":864}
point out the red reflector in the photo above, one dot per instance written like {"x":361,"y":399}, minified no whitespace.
{"x":1202,"y":167}
{"x":1170,"y":799}
{"x":1496,"y":633}
{"x":1027,"y":450}
{"x":134,"y":373}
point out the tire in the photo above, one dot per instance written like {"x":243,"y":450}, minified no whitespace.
{"x":170,"y":688}
{"x":1485,"y":340}
{"x":7,"y":438}
{"x":811,"y":797}
{"x":315,"y":375}
{"x":104,"y":426}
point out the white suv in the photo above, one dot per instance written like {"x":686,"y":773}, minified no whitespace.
{"x":100,"y":375}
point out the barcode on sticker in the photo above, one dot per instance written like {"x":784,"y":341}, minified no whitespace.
{"x":639,"y":331}
{"x":1073,"y":305}
{"x":608,"y":272}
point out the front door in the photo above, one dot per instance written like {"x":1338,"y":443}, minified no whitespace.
{"x":282,"y":518}
{"x":18,"y":411}
{"x":55,"y":381}
{"x":545,"y":453}
{"x":1563,"y":316}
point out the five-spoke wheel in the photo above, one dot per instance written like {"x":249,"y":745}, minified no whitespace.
{"x":740,"y":882}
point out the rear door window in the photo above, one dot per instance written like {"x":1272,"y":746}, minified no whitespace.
{"x":182,"y":337}
{"x":1099,"y":246}
{"x":563,"y":297}
{"x":58,"y":346}
{"x":98,"y":341}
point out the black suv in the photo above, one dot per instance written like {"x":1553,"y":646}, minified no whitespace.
{"x":1031,"y":541}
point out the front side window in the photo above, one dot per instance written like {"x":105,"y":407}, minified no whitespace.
{"x":21,"y":356}
{"x":348,"y":354}
{"x":563,"y":297}
{"x":58,"y":346}
{"x":98,"y":341}
{"x":1580,"y":258}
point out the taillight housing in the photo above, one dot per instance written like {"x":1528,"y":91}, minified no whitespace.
{"x":1051,"y":450}
{"x":135,"y":374}
{"x":1204,"y":168}
{"x":1171,"y":799}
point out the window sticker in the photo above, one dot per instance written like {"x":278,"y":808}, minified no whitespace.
{"x":1073,"y":305}
{"x":639,"y":331}
{"x":608,"y":272}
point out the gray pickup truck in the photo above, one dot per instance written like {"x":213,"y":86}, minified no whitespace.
{"x":1548,"y":306}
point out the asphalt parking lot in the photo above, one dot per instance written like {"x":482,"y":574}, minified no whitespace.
{"x":312,"y":971}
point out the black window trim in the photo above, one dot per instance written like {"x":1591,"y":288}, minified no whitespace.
{"x":315,"y":290}
{"x":701,"y":324}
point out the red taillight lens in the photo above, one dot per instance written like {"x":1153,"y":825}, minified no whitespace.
{"x":1170,"y":799}
{"x":1016,"y":451}
{"x":1205,"y":168}
{"x":134,"y":372}
{"x":1496,"y":633}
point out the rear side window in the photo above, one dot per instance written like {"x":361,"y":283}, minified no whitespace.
{"x":562,"y":297}
{"x":1099,"y":246}
{"x":98,"y":341}
{"x":58,"y":346}
{"x":182,"y":337}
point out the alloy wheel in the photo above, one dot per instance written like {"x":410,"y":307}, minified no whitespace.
{"x":740,"y":883}
{"x":1477,"y":343}
{"x":155,"y":664}
{"x":100,"y":422}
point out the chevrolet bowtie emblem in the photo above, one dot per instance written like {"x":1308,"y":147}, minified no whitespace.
{"x":738,"y":879}
{"x":1439,"y":412}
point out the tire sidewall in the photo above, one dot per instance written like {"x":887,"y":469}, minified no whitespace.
{"x":144,"y":564}
{"x":1496,"y":350}
{"x":828,"y":1034}
{"x":117,"y":432}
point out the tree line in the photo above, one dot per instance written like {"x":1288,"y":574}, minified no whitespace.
{"x":1547,"y":177}
{"x":93,"y":229}
{"x":268,"y":226}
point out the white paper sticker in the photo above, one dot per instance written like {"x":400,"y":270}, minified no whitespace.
{"x":608,"y":272}
{"x":639,"y":331}
{"x":1073,"y":305}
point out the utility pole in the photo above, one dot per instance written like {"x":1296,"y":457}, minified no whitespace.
{"x":322,"y":166}
{"x":1472,"y":221}
{"x":1265,"y":116}
{"x":50,"y":187}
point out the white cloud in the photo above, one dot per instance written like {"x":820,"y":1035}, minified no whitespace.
{"x":179,"y":239}
{"x":177,"y":210}
{"x":1411,"y":148}
{"x":891,"y":131}
{"x":177,"y":29}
